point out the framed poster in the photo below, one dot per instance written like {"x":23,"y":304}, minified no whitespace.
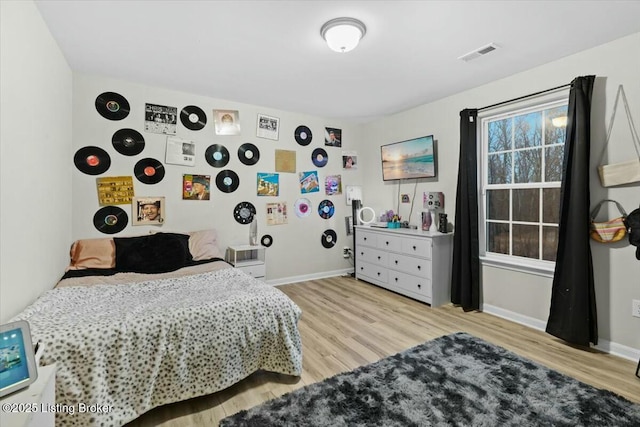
{"x":148,"y":210}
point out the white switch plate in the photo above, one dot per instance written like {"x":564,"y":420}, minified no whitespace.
{"x":635,"y":308}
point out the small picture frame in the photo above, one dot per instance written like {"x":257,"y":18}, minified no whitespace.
{"x":148,"y":211}
{"x":268,"y":127}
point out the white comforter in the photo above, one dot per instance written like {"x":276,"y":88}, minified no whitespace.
{"x":130,"y":348}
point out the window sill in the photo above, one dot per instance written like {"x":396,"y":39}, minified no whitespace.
{"x":522,"y":265}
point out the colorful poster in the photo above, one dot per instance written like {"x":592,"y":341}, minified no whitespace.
{"x":196,"y":187}
{"x":333,"y":185}
{"x":160,"y":119}
{"x":277,"y":213}
{"x":148,"y":211}
{"x":268,"y":184}
{"x":309,"y":182}
{"x":115,"y":190}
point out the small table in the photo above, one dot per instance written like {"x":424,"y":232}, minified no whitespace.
{"x":248,"y":258}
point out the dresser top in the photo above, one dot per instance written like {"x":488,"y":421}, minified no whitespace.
{"x":411,"y":232}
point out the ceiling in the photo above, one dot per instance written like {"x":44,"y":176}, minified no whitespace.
{"x":271,"y":54}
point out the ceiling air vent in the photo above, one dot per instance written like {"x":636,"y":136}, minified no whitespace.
{"x":478,"y":52}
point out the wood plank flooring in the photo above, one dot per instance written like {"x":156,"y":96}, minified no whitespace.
{"x":348,"y":323}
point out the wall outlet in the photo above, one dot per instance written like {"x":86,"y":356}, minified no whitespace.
{"x":345,"y":252}
{"x":635,"y":308}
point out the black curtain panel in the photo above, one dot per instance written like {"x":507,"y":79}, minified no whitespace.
{"x":465,"y":278}
{"x":572,"y":316}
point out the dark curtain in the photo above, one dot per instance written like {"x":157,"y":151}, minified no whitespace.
{"x":572,"y":316}
{"x":465,"y":278}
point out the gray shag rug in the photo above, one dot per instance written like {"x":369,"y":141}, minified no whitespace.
{"x":456,"y":380}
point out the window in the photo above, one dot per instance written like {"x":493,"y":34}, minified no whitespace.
{"x":522,"y":154}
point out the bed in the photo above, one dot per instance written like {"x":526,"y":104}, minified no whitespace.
{"x":128,"y":341}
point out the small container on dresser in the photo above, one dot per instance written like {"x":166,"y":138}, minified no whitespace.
{"x":411,"y":262}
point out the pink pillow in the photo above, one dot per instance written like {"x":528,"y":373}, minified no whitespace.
{"x":203,"y":245}
{"x":92,"y":253}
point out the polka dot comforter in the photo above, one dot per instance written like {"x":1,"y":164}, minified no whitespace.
{"x":122,"y":350}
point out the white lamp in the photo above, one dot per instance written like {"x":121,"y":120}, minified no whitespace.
{"x":343,"y":34}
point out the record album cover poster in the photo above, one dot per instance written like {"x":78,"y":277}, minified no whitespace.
{"x":333,"y":185}
{"x":268,"y":127}
{"x":148,"y":211}
{"x":349,"y":160}
{"x":196,"y":187}
{"x":227,"y":122}
{"x":115,"y":190}
{"x":268,"y":184}
{"x":333,"y":137}
{"x":160,"y":119}
{"x":286,"y":161}
{"x":180,"y":152}
{"x":309,"y":182}
{"x":277,"y":213}
{"x":353,"y":192}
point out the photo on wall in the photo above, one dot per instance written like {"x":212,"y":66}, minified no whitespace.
{"x":349,"y":160}
{"x":148,"y":211}
{"x":196,"y":187}
{"x":268,"y":184}
{"x":333,"y":137}
{"x":309,"y":182}
{"x":160,"y":119}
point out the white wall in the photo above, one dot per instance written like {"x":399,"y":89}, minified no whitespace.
{"x":35,"y":151}
{"x":617,"y":272}
{"x":296,"y":251}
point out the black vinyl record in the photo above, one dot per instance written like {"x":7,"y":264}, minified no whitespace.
{"x":329,"y":238}
{"x":217,"y":155}
{"x":244,"y":212}
{"x":249,"y":154}
{"x":266,"y":240}
{"x":112,"y":106}
{"x":192,"y":117}
{"x":110,"y":220}
{"x":128,"y":142}
{"x":326,"y":209}
{"x":227,"y":181}
{"x":92,"y":160}
{"x":303,"y":135}
{"x":149,"y":171}
{"x":319,"y":157}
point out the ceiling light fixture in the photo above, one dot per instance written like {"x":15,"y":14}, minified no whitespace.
{"x":343,"y":34}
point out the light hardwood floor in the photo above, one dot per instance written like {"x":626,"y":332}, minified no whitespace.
{"x":348,"y":323}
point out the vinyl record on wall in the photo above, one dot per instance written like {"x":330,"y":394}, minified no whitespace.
{"x":217,"y":155}
{"x":112,"y":106}
{"x":319,"y":157}
{"x":326,"y":209}
{"x":266,"y":240}
{"x":329,"y":238}
{"x":302,"y":207}
{"x":128,"y":142}
{"x":192,"y":117}
{"x":248,"y":154}
{"x":110,"y":220}
{"x":303,"y":135}
{"x":244,"y":212}
{"x":149,"y":171}
{"x":227,"y":181}
{"x":92,"y":160}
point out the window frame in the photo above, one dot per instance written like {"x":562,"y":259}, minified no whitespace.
{"x":513,"y":262}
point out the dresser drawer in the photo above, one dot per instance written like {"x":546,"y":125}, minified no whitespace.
{"x":415,"y":266}
{"x":407,"y":282}
{"x":374,"y":256}
{"x":390,"y":243}
{"x":371,"y":270}
{"x":417,"y":247}
{"x":365,"y":238}
{"x":258,"y":271}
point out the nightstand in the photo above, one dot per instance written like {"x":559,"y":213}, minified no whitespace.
{"x":250,"y":259}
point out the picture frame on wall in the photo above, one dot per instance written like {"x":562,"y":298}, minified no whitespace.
{"x":148,"y":210}
{"x":268,"y":127}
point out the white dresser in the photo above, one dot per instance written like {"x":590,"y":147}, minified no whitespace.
{"x":414,"y":263}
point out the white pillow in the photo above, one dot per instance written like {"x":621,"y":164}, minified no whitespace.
{"x":203,"y":245}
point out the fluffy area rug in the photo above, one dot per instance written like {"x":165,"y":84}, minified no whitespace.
{"x":456,"y":380}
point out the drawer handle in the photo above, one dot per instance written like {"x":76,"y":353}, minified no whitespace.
{"x":419,"y":286}
{"x":419,"y":268}
{"x":361,"y":253}
{"x":365,"y":238}
{"x":378,"y":273}
{"x":414,"y":248}
{"x":361,"y":268}
{"x":396,"y":262}
{"x":378,"y":256}
{"x":396,"y":279}
{"x":387,"y":243}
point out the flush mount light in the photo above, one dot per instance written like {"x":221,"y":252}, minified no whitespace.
{"x":343,"y":34}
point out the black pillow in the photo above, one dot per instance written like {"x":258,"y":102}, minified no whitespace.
{"x":156,"y":253}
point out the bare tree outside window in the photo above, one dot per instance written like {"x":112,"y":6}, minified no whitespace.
{"x":523,"y":155}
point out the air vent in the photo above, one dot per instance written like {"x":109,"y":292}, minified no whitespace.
{"x":478,"y":52}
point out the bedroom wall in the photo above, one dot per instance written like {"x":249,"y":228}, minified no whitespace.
{"x":35,"y":148}
{"x":520,"y":296}
{"x":296,"y":253}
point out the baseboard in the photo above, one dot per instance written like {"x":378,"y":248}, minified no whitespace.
{"x":313,"y":276}
{"x":613,"y":348}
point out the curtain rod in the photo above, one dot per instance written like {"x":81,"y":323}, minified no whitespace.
{"x":524,"y":97}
